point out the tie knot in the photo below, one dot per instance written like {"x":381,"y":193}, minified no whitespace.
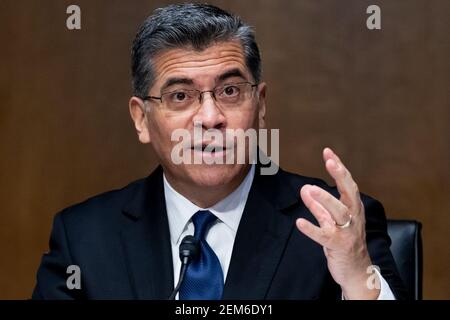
{"x":202,"y":221}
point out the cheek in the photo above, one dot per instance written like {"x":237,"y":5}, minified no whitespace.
{"x":161,"y":128}
{"x":243,"y":119}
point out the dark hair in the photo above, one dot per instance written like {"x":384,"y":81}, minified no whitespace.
{"x":187,"y":25}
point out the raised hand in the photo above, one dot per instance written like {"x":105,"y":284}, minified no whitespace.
{"x":341,"y":229}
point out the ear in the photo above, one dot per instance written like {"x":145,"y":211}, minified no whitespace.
{"x":138,"y":115}
{"x":262,"y":104}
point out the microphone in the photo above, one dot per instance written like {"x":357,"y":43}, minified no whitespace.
{"x":189,"y":250}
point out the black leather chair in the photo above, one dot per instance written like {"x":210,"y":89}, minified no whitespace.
{"x":406,"y":248}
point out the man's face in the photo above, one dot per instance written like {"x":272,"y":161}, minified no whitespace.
{"x":221,"y":63}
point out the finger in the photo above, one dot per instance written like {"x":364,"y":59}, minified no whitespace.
{"x":311,"y":231}
{"x":328,"y":153}
{"x":347,"y":187}
{"x":338,"y":211}
{"x":322,"y":216}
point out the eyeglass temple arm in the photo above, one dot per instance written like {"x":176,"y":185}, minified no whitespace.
{"x":151,"y":97}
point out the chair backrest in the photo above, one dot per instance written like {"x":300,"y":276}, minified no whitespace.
{"x":406,"y":248}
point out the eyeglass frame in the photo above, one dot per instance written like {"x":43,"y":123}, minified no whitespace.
{"x":200,"y":96}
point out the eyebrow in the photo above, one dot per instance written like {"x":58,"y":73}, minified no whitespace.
{"x":224,"y":76}
{"x":173,"y":81}
{"x":230,"y":74}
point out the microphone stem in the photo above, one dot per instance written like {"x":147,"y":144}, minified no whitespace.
{"x":182,"y":273}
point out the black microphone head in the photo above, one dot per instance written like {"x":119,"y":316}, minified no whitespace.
{"x":189,"y":248}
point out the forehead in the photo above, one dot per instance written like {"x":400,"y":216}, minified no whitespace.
{"x":201,"y":66}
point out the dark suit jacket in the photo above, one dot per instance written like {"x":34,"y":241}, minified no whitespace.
{"x":120,"y":240}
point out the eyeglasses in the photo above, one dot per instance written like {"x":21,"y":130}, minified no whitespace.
{"x":232,"y":95}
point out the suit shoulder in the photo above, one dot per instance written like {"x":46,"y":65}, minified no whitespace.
{"x":101,"y":206}
{"x":295,"y":180}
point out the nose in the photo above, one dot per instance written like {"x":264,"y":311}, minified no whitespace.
{"x":209,"y":114}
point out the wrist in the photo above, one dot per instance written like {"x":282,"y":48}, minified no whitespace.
{"x":357,"y":288}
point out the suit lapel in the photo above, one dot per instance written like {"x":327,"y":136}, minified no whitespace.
{"x":261,"y":238}
{"x":146,"y":241}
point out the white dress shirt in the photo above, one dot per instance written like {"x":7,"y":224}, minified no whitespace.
{"x":222,"y":233}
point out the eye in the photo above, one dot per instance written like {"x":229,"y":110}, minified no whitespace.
{"x":179,"y":96}
{"x":230,"y":91}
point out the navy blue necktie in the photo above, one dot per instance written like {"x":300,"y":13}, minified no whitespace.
{"x":204,"y":276}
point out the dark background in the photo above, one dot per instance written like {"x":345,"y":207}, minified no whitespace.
{"x":379,"y":98}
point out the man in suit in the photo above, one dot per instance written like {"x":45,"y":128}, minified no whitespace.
{"x":280,"y":236}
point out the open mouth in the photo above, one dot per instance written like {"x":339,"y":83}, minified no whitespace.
{"x":207,"y":148}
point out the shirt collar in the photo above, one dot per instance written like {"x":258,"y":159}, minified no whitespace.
{"x":228,"y":210}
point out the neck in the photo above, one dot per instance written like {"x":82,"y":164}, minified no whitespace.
{"x":207,"y":196}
